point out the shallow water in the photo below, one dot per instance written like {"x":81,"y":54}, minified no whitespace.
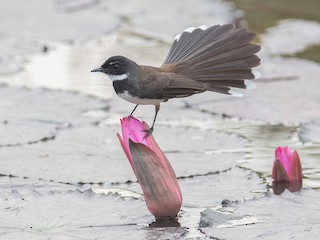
{"x":63,"y":174}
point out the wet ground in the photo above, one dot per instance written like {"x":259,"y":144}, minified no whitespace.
{"x":63,"y":174}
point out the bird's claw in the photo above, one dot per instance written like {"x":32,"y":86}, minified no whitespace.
{"x":148,"y":132}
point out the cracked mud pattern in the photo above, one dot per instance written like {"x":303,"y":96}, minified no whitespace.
{"x":63,"y":174}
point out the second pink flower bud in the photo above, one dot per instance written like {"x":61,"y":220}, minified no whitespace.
{"x":287,"y":171}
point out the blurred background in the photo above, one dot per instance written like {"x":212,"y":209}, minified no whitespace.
{"x":55,"y":43}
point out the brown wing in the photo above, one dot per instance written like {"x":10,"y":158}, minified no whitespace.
{"x":179,"y":86}
{"x":164,"y":85}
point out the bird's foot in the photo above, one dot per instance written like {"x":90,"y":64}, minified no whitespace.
{"x":148,"y":132}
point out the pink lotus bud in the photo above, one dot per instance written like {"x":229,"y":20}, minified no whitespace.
{"x":152,"y":169}
{"x":286,"y":172}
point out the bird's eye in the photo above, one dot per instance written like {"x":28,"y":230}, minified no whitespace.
{"x":114,"y":64}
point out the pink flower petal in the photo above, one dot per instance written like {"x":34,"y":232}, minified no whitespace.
{"x":152,"y":144}
{"x":152,"y":169}
{"x":132,"y":128}
{"x":287,"y":171}
{"x":126,"y":149}
{"x":278,"y":172}
{"x":284,"y":154}
{"x":296,"y":170}
{"x":157,"y":180}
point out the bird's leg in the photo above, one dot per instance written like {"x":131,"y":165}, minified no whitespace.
{"x":134,"y":109}
{"x":148,"y":132}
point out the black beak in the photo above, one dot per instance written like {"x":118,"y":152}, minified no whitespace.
{"x":100,"y":69}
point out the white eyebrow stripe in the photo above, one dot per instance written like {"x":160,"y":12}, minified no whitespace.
{"x":118,"y":77}
{"x":115,"y":62}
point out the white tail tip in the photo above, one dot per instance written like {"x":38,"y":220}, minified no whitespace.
{"x":256,"y":74}
{"x":203,"y":27}
{"x":177,"y":37}
{"x":235,"y":93}
{"x":190,"y":30}
{"x":249,"y":84}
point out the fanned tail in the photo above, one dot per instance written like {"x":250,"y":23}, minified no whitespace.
{"x":219,"y":57}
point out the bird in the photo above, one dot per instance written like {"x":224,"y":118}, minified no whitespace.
{"x":218,"y":59}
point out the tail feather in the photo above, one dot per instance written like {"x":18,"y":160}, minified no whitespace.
{"x":230,"y":83}
{"x":220,"y":57}
{"x":230,"y":42}
{"x":219,"y":89}
{"x":231,"y":55}
{"x":221,"y":66}
{"x":240,"y":74}
{"x":190,"y":42}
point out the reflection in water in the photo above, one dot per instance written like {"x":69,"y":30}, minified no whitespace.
{"x":166,"y":229}
{"x":164,"y":222}
{"x":278,"y":187}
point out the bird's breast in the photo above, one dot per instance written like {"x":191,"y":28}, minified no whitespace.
{"x":130,"y":93}
{"x":123,"y":85}
{"x":137,"y":100}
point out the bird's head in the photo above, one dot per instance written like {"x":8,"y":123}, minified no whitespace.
{"x":117,"y":68}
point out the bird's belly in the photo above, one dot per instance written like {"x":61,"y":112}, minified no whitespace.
{"x":136,"y":100}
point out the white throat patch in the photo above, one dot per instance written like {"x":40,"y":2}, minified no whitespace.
{"x":118,"y":77}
